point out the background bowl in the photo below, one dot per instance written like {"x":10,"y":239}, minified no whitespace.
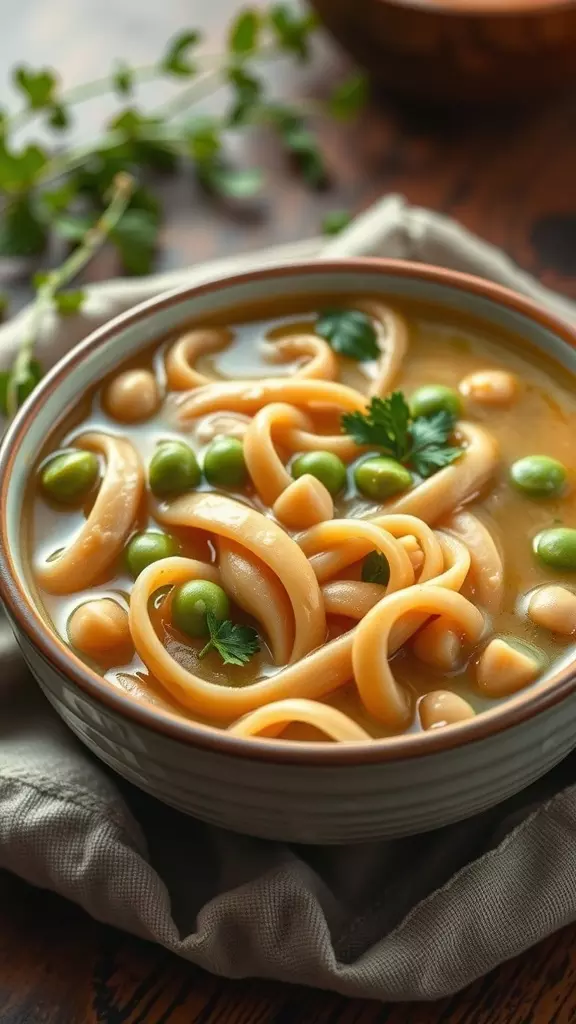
{"x":299,"y":792}
{"x":458,"y":51}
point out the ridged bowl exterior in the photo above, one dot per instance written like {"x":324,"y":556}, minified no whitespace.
{"x":315,"y":793}
{"x":320,"y":804}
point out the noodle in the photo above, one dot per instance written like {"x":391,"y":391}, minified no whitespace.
{"x":259,"y":592}
{"x":181,"y":373}
{"x":266,"y":540}
{"x":273,"y":717}
{"x":392,"y":340}
{"x":250,"y":396}
{"x":322,"y":363}
{"x":486,"y":561}
{"x":110,"y":522}
{"x":380,"y":693}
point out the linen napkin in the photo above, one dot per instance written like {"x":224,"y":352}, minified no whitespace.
{"x":408,"y":919}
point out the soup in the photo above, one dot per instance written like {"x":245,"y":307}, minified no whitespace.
{"x":315,"y":523}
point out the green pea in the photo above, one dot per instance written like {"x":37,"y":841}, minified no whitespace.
{"x":432,"y":398}
{"x":538,"y":476}
{"x":192,"y":601}
{"x":173,"y":469}
{"x":381,"y":477}
{"x":150,"y":546}
{"x":326,"y":467}
{"x":71,"y":476}
{"x":557,"y":547}
{"x":224,"y":464}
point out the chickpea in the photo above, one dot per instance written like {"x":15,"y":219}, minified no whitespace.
{"x":438,"y":645}
{"x":229,"y":424}
{"x":554,"y":608}
{"x":490,"y":387}
{"x":99,"y":626}
{"x":304,"y":503}
{"x":441,"y":708}
{"x":504,"y":669}
{"x":132,"y":396}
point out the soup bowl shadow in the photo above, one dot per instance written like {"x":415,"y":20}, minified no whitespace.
{"x":277,"y":789}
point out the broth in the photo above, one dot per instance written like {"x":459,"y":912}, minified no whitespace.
{"x":536,"y":418}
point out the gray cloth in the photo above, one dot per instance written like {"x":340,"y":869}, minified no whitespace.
{"x":409,"y":919}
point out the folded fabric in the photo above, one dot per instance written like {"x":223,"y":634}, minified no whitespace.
{"x":408,"y":919}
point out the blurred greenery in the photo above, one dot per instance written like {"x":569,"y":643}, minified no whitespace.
{"x":61,"y":190}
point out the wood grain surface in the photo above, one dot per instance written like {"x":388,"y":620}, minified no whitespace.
{"x":511,"y":177}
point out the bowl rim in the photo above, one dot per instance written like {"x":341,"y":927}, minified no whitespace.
{"x":482,"y":8}
{"x":23,"y":612}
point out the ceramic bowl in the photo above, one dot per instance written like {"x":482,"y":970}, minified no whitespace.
{"x":307,"y":792}
{"x":456,"y":51}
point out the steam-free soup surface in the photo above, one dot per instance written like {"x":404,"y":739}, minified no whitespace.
{"x":315,"y":578}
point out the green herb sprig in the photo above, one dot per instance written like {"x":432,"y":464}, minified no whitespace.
{"x":16,"y":384}
{"x":63,"y":191}
{"x":349,"y":332}
{"x":422,"y":444}
{"x":235,"y":644}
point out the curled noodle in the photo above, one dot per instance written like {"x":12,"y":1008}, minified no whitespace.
{"x":268,"y":541}
{"x":273,"y":717}
{"x":455,"y":484}
{"x":250,"y":396}
{"x":181,"y":372}
{"x":379,"y":691}
{"x":321,"y":364}
{"x":392,"y":332}
{"x":111,"y":520}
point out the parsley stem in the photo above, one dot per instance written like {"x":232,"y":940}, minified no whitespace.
{"x":206,"y":649}
{"x":93,"y":240}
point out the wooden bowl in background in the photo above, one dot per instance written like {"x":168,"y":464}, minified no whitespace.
{"x":459,"y":50}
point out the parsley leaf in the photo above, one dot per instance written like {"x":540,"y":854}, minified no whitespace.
{"x":350,"y":333}
{"x":335,"y":221}
{"x":22,"y":231}
{"x":176,"y":58}
{"x":349,"y":97}
{"x":247,"y":91}
{"x":38,"y":87}
{"x":243,"y":36}
{"x":24,"y":385}
{"x":375,"y":568}
{"x":292,"y":30}
{"x":299,"y":143}
{"x":421,"y":444}
{"x":123,"y":79}
{"x":135,"y":237}
{"x":59,"y":118}
{"x":235,"y":644}
{"x":384,"y":425}
{"x":69,"y":302}
{"x":429,"y":451}
{"x":230,"y":182}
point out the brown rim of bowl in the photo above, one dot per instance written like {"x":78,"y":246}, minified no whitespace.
{"x":479,"y":8}
{"x":53,"y":650}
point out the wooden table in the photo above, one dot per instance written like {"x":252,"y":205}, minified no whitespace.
{"x":511,"y":177}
